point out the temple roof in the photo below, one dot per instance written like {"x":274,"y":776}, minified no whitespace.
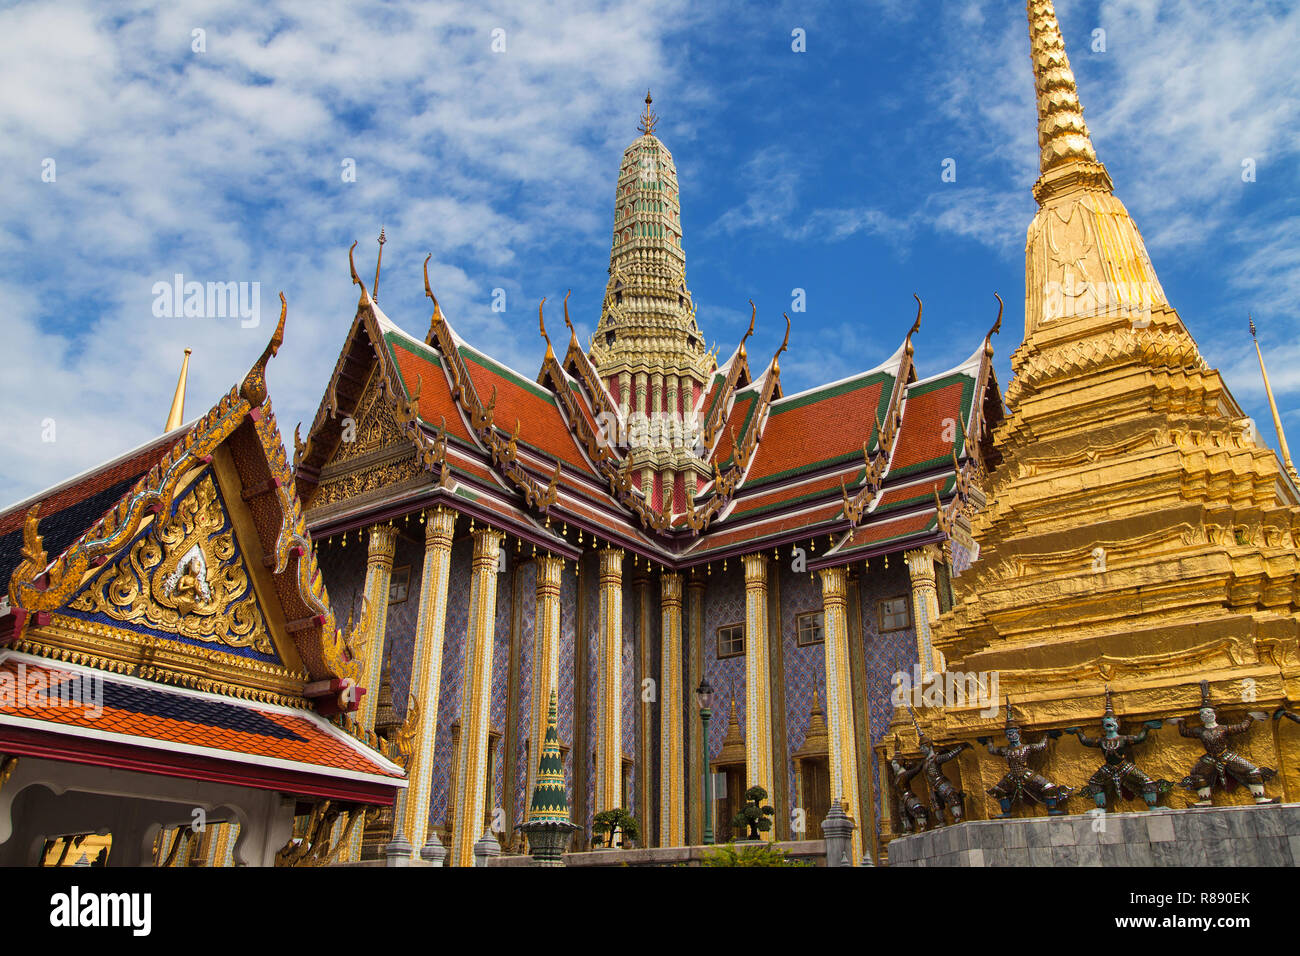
{"x":69,"y":507}
{"x":527,"y":454}
{"x":187,"y":733}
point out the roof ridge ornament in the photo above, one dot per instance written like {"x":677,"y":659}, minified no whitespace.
{"x":573,"y":333}
{"x":356,"y":279}
{"x":541,"y":322}
{"x":253,"y":389}
{"x":997,"y":326}
{"x":648,"y":118}
{"x":437,"y":318}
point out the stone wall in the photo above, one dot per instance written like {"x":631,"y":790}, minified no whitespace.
{"x":1212,"y":836}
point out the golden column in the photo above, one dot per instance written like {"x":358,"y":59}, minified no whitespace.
{"x":379,"y":574}
{"x":609,"y":683}
{"x":839,"y":704}
{"x":412,"y":811}
{"x":476,"y":698}
{"x":546,"y":657}
{"x":758,"y":701}
{"x":672,"y":783}
{"x":925,"y":606}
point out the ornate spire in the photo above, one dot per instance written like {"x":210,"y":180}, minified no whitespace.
{"x":1062,"y":133}
{"x":648,"y":118}
{"x":176,"y":417}
{"x":1272,"y":404}
{"x":648,"y":349}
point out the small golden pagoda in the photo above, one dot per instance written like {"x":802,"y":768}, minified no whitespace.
{"x":1136,"y":535}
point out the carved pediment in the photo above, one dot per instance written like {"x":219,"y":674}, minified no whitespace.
{"x":183,"y":575}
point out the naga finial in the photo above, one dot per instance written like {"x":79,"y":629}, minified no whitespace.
{"x":573,"y":333}
{"x":997,"y":326}
{"x":541,"y":324}
{"x":356,"y":279}
{"x":253,"y":389}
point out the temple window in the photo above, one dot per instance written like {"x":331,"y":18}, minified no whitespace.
{"x":731,"y":640}
{"x":809,"y":629}
{"x":895,"y":613}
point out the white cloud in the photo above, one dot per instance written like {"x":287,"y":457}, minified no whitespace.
{"x":225,"y":165}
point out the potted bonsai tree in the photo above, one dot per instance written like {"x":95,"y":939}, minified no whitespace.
{"x":608,"y":823}
{"x":754,"y":815}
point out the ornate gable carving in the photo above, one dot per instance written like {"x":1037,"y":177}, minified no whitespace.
{"x":184,"y":575}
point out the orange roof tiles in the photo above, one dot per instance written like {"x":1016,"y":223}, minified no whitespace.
{"x":156,"y":714}
{"x":823,"y":427}
{"x":933,"y":421}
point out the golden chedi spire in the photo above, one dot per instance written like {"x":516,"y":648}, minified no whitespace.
{"x":1062,"y":133}
{"x":176,"y":416}
{"x":1134,"y":531}
{"x":1272,"y":404}
{"x":648,"y":348}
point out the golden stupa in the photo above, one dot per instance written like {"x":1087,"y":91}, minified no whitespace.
{"x":1135,"y":535}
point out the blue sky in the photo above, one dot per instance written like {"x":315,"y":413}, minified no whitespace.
{"x":818,"y":170}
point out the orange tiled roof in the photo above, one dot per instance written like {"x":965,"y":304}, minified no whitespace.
{"x":152,"y":716}
{"x":820,"y":428}
{"x":934,"y":422}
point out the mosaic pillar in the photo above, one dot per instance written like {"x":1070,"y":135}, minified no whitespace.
{"x":609,"y":683}
{"x":412,"y":811}
{"x":645,"y":722}
{"x":758,"y":701}
{"x":546,"y":657}
{"x":379,"y":575}
{"x":221,"y":844}
{"x":845,"y":791}
{"x":925,"y":605}
{"x":476,"y":699}
{"x":695,"y":673}
{"x":672,"y":785}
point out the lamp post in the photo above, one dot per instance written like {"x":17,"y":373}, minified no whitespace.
{"x":704,"y":695}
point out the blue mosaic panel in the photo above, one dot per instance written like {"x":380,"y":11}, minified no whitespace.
{"x":453,"y":670}
{"x":885,"y":653}
{"x":526,"y":591}
{"x":630,"y":690}
{"x":961,"y":558}
{"x":500,"y":681}
{"x":592,"y":624}
{"x":805,"y":667}
{"x":403,"y":619}
{"x":724,"y":603}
